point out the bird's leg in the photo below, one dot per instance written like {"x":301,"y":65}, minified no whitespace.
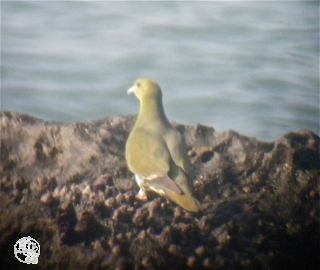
{"x":142,"y":196}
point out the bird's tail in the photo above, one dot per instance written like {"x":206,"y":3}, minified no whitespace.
{"x":187,"y":201}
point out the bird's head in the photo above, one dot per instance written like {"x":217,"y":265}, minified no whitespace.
{"x":145,"y":89}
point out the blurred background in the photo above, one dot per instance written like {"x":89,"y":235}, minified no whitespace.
{"x":248,"y":66}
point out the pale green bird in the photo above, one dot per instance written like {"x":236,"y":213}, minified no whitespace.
{"x":156,"y":153}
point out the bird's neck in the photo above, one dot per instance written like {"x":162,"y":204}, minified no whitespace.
{"x":151,"y":111}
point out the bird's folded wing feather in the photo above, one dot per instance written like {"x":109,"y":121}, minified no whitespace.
{"x":179,"y":153}
{"x":178,"y":150}
{"x":165,"y":182}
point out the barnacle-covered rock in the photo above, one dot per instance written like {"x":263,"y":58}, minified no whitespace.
{"x":67,"y":186}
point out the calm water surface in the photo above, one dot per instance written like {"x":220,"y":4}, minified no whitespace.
{"x":248,"y":66}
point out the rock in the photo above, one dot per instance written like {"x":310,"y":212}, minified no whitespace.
{"x":68,"y":187}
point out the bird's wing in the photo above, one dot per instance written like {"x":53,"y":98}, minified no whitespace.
{"x":148,"y":156}
{"x":178,"y":150}
{"x":163,"y":183}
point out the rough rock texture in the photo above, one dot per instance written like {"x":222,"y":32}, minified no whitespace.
{"x":68,"y":187}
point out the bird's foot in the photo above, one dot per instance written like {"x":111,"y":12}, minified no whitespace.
{"x":142,"y":196}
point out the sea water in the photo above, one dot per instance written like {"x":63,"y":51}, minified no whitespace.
{"x":248,"y":66}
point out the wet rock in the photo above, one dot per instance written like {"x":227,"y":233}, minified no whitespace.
{"x":88,"y":229}
{"x":68,"y":187}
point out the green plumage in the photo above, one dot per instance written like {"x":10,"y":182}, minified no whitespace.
{"x":155,"y":152}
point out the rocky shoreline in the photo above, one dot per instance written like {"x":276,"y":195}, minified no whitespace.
{"x":68,"y":187}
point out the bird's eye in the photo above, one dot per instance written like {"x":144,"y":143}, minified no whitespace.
{"x":138,"y":84}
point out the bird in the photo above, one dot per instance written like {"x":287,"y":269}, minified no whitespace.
{"x":156,"y":153}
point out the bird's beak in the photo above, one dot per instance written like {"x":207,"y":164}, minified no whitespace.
{"x":131,"y":90}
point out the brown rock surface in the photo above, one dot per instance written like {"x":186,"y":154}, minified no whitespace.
{"x":68,"y":187}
